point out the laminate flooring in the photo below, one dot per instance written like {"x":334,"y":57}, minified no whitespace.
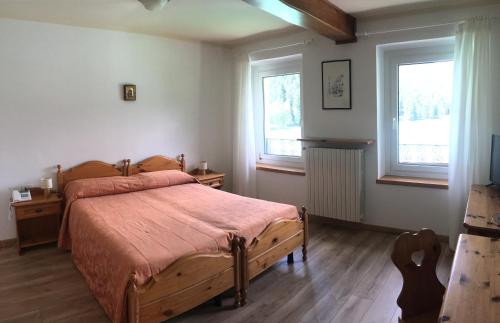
{"x":348,"y":278}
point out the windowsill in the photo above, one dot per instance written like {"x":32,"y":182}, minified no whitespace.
{"x":414,"y":181}
{"x":280,"y":169}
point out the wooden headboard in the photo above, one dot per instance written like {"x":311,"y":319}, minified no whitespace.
{"x":90,"y":169}
{"x":154,"y":164}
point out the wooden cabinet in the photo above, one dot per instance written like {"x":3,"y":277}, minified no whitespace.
{"x":38,"y":220}
{"x":211,"y":178}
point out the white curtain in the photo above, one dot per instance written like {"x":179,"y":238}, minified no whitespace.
{"x":244,"y":182}
{"x":471,"y":118}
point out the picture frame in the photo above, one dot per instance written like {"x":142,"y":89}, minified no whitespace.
{"x":336,"y":84}
{"x":129,"y":92}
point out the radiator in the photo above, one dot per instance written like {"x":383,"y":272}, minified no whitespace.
{"x":335,"y":183}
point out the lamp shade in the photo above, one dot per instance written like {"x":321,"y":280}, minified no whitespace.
{"x":153,"y":4}
{"x":203,"y":165}
{"x":46,"y":183}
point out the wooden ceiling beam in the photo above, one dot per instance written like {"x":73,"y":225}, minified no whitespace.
{"x":320,"y":16}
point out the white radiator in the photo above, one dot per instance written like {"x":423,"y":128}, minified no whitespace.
{"x":335,"y":183}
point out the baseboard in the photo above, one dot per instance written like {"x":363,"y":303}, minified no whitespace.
{"x":369,"y":227}
{"x":9,"y":243}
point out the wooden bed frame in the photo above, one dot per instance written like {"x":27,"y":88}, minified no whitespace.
{"x":280,"y":238}
{"x":190,"y":280}
{"x":193,"y":280}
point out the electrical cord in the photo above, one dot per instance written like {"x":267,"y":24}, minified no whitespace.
{"x":10,"y":211}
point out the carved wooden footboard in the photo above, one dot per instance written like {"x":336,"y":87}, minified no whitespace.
{"x":187,"y":283}
{"x":279,"y":239}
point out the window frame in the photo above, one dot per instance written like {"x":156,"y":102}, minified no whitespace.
{"x":409,"y":54}
{"x":266,"y":68}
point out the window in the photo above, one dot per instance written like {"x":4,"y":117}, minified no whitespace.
{"x":417,"y":99}
{"x":278,"y":110}
{"x":424,"y":104}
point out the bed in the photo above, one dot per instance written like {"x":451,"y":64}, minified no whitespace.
{"x":242,"y":237}
{"x":163,"y":291}
{"x":277,"y":231}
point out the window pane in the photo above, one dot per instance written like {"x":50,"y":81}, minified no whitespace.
{"x":282,"y":115}
{"x":425,"y":94}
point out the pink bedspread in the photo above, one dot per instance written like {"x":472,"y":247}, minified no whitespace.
{"x":235,"y":214}
{"x":120,"y":235}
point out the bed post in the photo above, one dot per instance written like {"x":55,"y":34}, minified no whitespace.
{"x":305,"y":219}
{"x":124,"y":168}
{"x":183,"y":163}
{"x":237,"y":271}
{"x":59,"y":179}
{"x":132,"y":304}
{"x":244,"y":270}
{"x":127,"y":166}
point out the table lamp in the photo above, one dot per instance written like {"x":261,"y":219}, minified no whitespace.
{"x":46,"y":184}
{"x":203,"y":167}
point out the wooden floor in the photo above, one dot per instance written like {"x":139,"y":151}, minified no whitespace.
{"x":348,"y":278}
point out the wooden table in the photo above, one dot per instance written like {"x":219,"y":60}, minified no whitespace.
{"x":473,"y":293}
{"x":483,"y":204}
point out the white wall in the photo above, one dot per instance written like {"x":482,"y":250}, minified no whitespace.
{"x":61,"y":101}
{"x":281,"y":188}
{"x":392,"y":206}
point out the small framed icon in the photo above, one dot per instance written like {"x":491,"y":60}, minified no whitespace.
{"x":129,"y":92}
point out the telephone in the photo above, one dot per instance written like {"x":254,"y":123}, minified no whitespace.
{"x":19,"y":195}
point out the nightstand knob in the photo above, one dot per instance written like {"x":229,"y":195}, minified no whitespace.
{"x":39,"y":210}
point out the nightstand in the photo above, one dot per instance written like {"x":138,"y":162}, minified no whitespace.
{"x":38,"y":220}
{"x":211,"y":178}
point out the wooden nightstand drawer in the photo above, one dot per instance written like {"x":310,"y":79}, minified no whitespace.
{"x":32,"y":211}
{"x":210,"y":178}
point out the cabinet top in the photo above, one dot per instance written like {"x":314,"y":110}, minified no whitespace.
{"x":207,"y":176}
{"x":39,"y":199}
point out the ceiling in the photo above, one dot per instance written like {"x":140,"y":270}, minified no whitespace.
{"x":218,"y":21}
{"x":367,"y":8}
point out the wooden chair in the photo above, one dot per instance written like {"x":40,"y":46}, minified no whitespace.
{"x":422,"y":294}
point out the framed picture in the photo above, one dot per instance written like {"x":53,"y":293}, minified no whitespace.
{"x":129,"y":92}
{"x":336,"y":84}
